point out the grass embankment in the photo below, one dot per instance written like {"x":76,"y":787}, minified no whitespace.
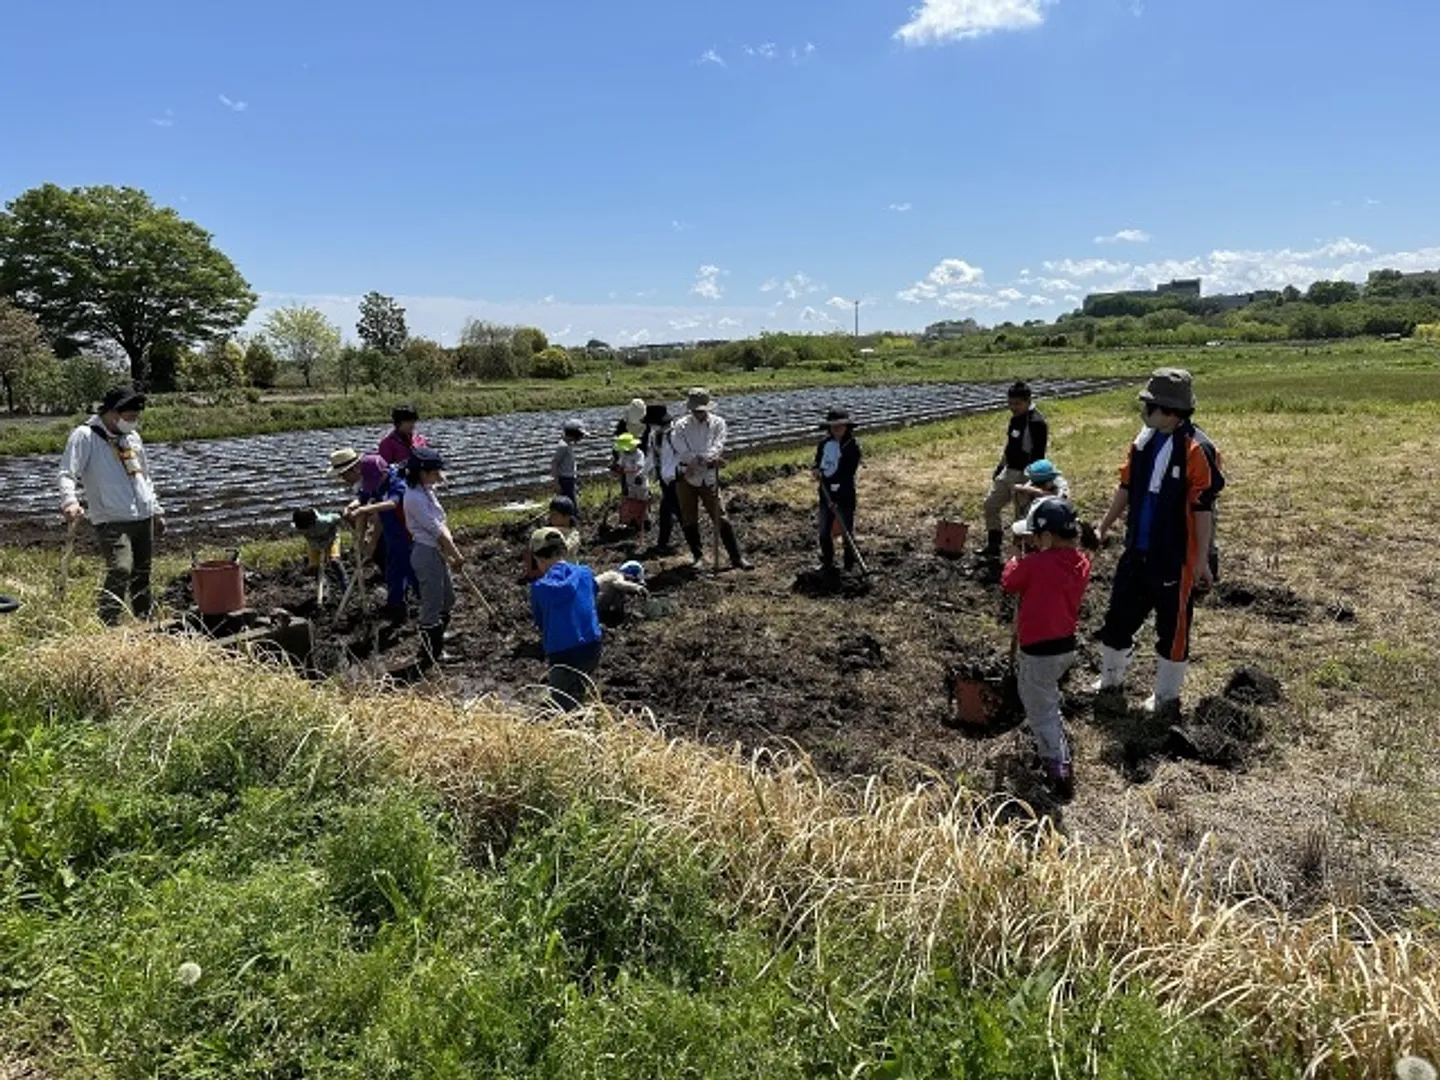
{"x":176,"y":417}
{"x":398,"y":887}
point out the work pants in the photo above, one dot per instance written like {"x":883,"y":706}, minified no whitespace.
{"x":1140,"y":588}
{"x":437,"y":587}
{"x":571,"y":676}
{"x":841,"y":504}
{"x":1002,"y":494}
{"x":128,"y":548}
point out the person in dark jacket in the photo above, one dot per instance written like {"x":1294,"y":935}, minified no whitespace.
{"x":1027,"y":438}
{"x":837,"y":460}
{"x":662,"y":460}
{"x":1168,"y":487}
{"x":562,"y":602}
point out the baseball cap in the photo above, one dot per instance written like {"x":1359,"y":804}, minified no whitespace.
{"x":547,"y":542}
{"x":633,"y":570}
{"x":1043,"y":470}
{"x":563,"y":504}
{"x":1049,"y":515}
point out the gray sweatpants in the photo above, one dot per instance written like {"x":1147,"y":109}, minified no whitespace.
{"x":1039,"y":684}
{"x":437,"y":588}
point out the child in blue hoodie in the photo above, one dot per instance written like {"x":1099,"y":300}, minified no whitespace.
{"x":562,"y":601}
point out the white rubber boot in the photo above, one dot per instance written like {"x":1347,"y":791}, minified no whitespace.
{"x":1169,"y":678}
{"x":1113,"y":663}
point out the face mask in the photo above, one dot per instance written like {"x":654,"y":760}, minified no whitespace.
{"x":127,"y":427}
{"x":1151,"y":417}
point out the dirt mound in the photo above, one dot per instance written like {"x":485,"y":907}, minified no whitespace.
{"x":823,"y":583}
{"x":1281,"y":604}
{"x":1251,"y":686}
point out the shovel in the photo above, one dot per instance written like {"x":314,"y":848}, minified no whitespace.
{"x":849,"y":536}
{"x":63,"y":583}
{"x":359,"y":573}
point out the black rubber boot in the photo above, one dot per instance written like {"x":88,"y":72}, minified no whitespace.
{"x":732,"y":547}
{"x":993,"y":539}
{"x":445,"y":636}
{"x":692,"y":538}
{"x":432,"y":647}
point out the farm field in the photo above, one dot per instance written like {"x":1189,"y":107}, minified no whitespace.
{"x":774,"y":791}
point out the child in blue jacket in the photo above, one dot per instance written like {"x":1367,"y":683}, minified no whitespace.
{"x":562,"y":601}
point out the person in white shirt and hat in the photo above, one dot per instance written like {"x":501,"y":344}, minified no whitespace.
{"x":698,"y":441}
{"x":105,"y":459}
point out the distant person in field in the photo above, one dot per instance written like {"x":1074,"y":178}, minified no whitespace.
{"x":1026,"y":438}
{"x":396,"y":447}
{"x":837,"y":461}
{"x":1050,"y":581}
{"x":564,"y":469}
{"x":562,"y":602}
{"x":105,"y":460}
{"x":698,"y":441}
{"x":1168,"y":486}
{"x":433,"y":552}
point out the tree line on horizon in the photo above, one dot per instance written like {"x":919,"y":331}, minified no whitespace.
{"x":95,"y":277}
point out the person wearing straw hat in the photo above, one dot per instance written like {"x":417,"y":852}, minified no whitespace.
{"x":698,"y":439}
{"x":105,"y":459}
{"x":563,"y":605}
{"x":433,"y":552}
{"x":837,"y":460}
{"x":1026,"y":437}
{"x":345,"y":467}
{"x":395,"y":447}
{"x":1168,"y":486}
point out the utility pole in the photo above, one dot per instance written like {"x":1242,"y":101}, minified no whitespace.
{"x":857,"y":320}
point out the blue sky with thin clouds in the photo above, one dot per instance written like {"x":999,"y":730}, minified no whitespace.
{"x":646,"y":171}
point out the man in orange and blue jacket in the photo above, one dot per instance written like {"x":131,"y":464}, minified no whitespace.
{"x":1168,"y":487}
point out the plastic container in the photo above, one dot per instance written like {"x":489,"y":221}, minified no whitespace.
{"x":950,"y":537}
{"x":633,"y":511}
{"x":219,"y":586}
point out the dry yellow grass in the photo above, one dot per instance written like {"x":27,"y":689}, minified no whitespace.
{"x":919,"y":866}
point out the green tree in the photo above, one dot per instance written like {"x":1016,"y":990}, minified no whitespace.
{"x":479,"y":333}
{"x":552,"y":363}
{"x":25,"y":356}
{"x":261,"y":367}
{"x":349,"y":366}
{"x":492,"y":362}
{"x":220,"y":366}
{"x":1291,"y":295}
{"x":382,"y":324}
{"x":105,"y":264}
{"x":167,"y":363}
{"x":1325,"y":293}
{"x":380,"y":371}
{"x":303,"y":338}
{"x":427,"y":362}
{"x":528,"y":342}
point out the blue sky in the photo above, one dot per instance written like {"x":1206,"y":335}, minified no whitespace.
{"x":659,"y":171}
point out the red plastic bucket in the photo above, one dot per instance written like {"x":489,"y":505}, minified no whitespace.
{"x":219,"y":587}
{"x":950,"y":537}
{"x":632,"y":511}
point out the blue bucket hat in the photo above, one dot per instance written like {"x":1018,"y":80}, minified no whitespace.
{"x":1042,"y":471}
{"x":633,"y":570}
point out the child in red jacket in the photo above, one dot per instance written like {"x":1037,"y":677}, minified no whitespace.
{"x":1050,"y":582}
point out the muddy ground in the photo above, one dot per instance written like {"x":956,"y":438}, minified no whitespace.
{"x":851,"y":671}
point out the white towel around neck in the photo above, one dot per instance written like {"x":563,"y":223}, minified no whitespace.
{"x":1162,"y":456}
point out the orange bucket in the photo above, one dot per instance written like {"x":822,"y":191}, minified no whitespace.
{"x":219,"y":587}
{"x":950,"y":537}
{"x":632,"y":511}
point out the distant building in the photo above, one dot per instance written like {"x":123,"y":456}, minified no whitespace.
{"x":951,"y":329}
{"x":1184,"y":287}
{"x":1234,"y":301}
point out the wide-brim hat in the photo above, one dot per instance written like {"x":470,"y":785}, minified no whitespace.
{"x":1170,"y":388}
{"x":635,"y":412}
{"x":657,"y":415}
{"x":837,"y":415}
{"x":343,"y":460}
{"x":626,"y":442}
{"x":575,"y":427}
{"x":122,"y":399}
{"x":698,"y":398}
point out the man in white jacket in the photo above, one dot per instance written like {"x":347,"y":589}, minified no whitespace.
{"x":105,"y":458}
{"x":698,"y":442}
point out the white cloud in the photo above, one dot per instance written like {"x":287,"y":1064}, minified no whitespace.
{"x":1372,"y":202}
{"x":900,"y":208}
{"x":1010,"y":295}
{"x":765,"y":51}
{"x":1071,"y":298}
{"x":1083,"y":268}
{"x":688,"y":322}
{"x":164,"y":121}
{"x":970,"y":300}
{"x":798,"y":285}
{"x":936,"y":21}
{"x":815,"y":315}
{"x":1039,"y":301}
{"x":728,"y":323}
{"x":562,"y":333}
{"x":840,"y":302}
{"x":946,"y":274}
{"x":233,"y":106}
{"x":645,"y":294}
{"x":769,"y":285}
{"x":676,"y":225}
{"x":548,"y":299}
{"x":1125,"y":236}
{"x":707,"y":283}
{"x":799,"y":54}
{"x":710,"y":56}
{"x":633,"y":337}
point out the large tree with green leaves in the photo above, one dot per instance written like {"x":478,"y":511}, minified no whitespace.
{"x":303,"y":338}
{"x":382,"y":324}
{"x":105,"y":264}
{"x":24,"y":353}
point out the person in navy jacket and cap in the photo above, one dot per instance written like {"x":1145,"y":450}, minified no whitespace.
{"x":837,"y":460}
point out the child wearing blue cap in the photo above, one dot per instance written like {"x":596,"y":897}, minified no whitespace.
{"x":614,"y":590}
{"x":1043,"y":479}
